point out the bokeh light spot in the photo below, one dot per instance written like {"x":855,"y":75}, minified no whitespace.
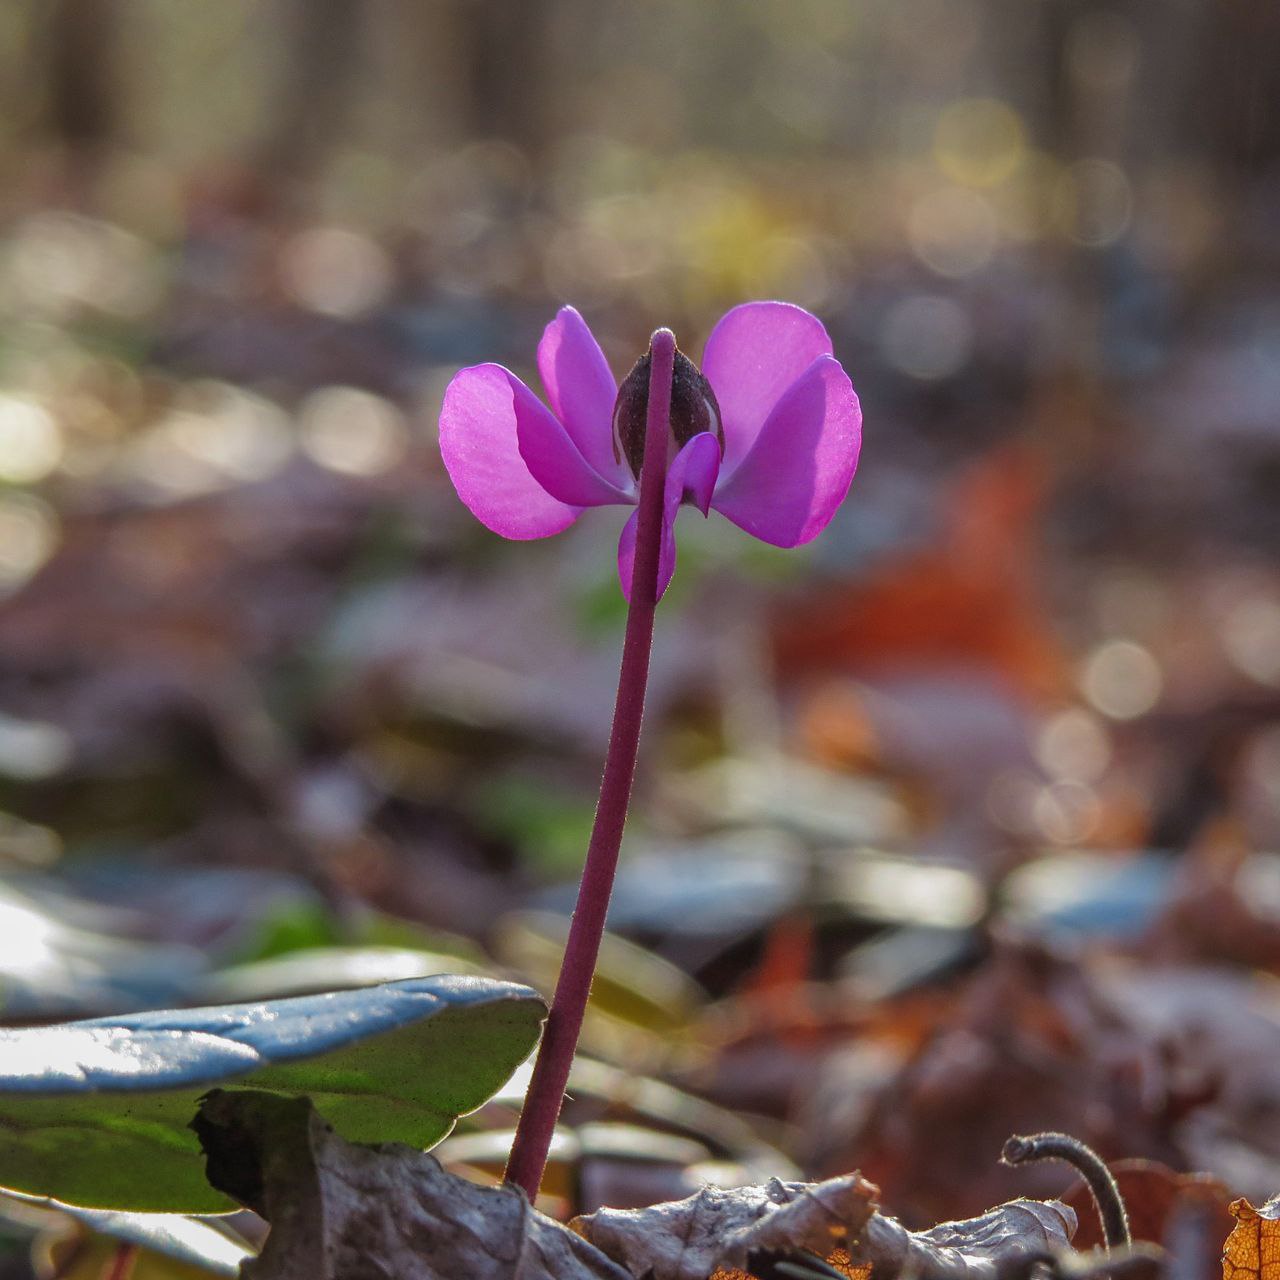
{"x":1066,"y":812}
{"x":1072,"y":746}
{"x":1251,"y":638}
{"x":30,"y":440}
{"x":953,"y":230}
{"x":336,"y":272}
{"x":979,"y":142}
{"x":62,"y":261}
{"x":352,"y":431}
{"x":927,"y":337}
{"x":1094,"y":202}
{"x":215,"y":435}
{"x":1122,"y":680}
{"x":28,"y":537}
{"x":1010,"y":801}
{"x":33,"y":749}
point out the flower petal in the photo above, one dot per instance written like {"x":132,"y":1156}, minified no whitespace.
{"x":552,"y":457}
{"x":753,"y":355}
{"x":480,"y":447}
{"x":582,"y":390}
{"x":788,"y":487}
{"x":692,"y":474}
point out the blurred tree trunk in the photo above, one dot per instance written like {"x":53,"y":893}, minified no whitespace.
{"x":1236,"y":92}
{"x":79,"y":42}
{"x":503,"y":52}
{"x":1205,"y":78}
{"x":318,"y":52}
{"x":498,"y":50}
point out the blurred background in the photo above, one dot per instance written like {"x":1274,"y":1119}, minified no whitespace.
{"x":961,"y":821}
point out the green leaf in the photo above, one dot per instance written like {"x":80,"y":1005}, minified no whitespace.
{"x":96,"y":1113}
{"x":550,"y":824}
{"x":195,"y":1245}
{"x":296,"y":926}
{"x":325,"y":969}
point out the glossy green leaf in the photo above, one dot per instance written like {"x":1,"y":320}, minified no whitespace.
{"x":96,"y":1113}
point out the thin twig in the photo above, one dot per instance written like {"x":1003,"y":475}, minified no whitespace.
{"x":1089,"y":1165}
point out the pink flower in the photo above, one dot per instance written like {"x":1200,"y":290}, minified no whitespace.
{"x":773,"y":446}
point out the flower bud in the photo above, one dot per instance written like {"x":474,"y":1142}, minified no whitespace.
{"x":693,"y":410}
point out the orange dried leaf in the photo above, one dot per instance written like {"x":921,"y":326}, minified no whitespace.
{"x":974,"y":598}
{"x":1252,"y":1251}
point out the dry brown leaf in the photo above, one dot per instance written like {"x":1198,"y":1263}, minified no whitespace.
{"x":343,"y":1211}
{"x":1031,"y":1041}
{"x":1252,"y":1250}
{"x":1000,"y":1242}
{"x":1154,"y":1196}
{"x":716,"y":1232}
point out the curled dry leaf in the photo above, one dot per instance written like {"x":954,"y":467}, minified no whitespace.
{"x":343,"y":1211}
{"x":716,"y":1232}
{"x":1252,"y":1250}
{"x":1002,"y":1242}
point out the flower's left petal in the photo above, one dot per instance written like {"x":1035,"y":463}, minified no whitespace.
{"x":692,"y":474}
{"x":553,"y":459}
{"x":481,"y":452}
{"x":788,"y":487}
{"x":581,"y":389}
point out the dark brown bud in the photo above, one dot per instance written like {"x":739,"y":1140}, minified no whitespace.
{"x":693,"y":410}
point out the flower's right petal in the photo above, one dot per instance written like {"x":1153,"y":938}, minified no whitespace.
{"x":692,"y":475}
{"x":582,"y":390}
{"x":553,"y":458}
{"x":481,"y":452}
{"x":799,"y":470}
{"x":753,"y":355}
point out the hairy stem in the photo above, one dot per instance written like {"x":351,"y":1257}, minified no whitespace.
{"x":1089,"y":1165}
{"x":560,"y":1038}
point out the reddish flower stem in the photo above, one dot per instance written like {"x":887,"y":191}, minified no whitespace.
{"x":560,"y":1038}
{"x":120,"y":1266}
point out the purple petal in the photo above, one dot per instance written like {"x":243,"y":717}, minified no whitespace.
{"x":582,"y":391}
{"x":552,"y":457}
{"x":627,"y":555}
{"x":752,"y":356}
{"x":788,"y":487}
{"x":479,"y":444}
{"x":692,"y":474}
